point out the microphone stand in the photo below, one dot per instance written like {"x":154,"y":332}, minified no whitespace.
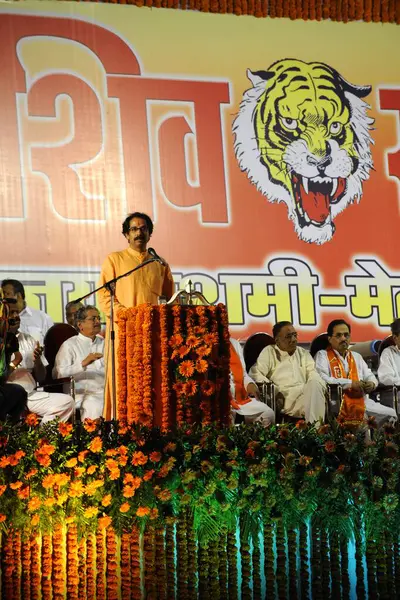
{"x":110,"y":286}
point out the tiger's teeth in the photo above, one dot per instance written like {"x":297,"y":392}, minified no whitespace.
{"x":305,"y":184}
{"x":334,"y":186}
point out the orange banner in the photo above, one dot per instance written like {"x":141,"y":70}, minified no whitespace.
{"x":273,"y":181}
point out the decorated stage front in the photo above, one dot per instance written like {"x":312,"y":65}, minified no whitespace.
{"x":106,"y":510}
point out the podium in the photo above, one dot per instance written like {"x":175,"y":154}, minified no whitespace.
{"x":173,"y":365}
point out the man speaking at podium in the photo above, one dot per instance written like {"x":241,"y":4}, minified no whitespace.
{"x":144,"y":285}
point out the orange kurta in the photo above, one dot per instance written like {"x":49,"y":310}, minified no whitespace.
{"x":145,"y":285}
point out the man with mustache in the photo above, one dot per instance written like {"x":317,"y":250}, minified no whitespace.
{"x":144,"y":285}
{"x":337,"y":364}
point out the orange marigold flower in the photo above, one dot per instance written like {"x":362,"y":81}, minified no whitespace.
{"x":90,"y":425}
{"x":43,"y":459}
{"x":203,"y":351}
{"x":104,"y":522}
{"x":114,"y":474}
{"x":16,"y":485}
{"x":82,"y":455}
{"x":154,"y":513}
{"x":210,"y":339}
{"x":170,"y":447}
{"x":176,"y":340}
{"x":23,"y":493}
{"x":178,"y":387}
{"x":32,"y":420}
{"x":111,"y":452}
{"x":208,"y":387}
{"x":2,"y":518}
{"x":106,"y":501}
{"x":186,"y":368}
{"x":96,"y":444}
{"x":34,"y":503}
{"x":155,"y":456}
{"x":192,"y":341}
{"x":45,"y":448}
{"x":148,"y":475}
{"x":2,"y":489}
{"x":35,"y":520}
{"x":181,"y":352}
{"x":19,"y":454}
{"x":79,"y":471}
{"x":4,"y":462}
{"x":142,"y":511}
{"x":90,"y":489}
{"x":190,"y":388}
{"x":92,"y":469}
{"x":48,"y":481}
{"x":65,"y":428}
{"x":164,"y":495}
{"x":61,"y":498}
{"x":31,"y":473}
{"x":49,"y":502}
{"x":111,"y":464}
{"x":201,"y":365}
{"x":61,"y":479}
{"x":124,"y":507}
{"x":91,"y":512}
{"x":72,"y":462}
{"x":128,"y":491}
{"x":76,"y":489}
{"x":139,"y":458}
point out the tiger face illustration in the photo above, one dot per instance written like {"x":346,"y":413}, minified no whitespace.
{"x":302,"y":136}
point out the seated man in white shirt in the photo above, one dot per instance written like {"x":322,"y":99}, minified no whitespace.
{"x":292,"y":370}
{"x":32,"y":370}
{"x":71,"y":308}
{"x":337,"y":364}
{"x":82,"y":357}
{"x":33,"y":321}
{"x":389,"y":362}
{"x":245,"y":393}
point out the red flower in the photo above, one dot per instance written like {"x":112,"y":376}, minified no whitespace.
{"x":155,"y":456}
{"x":330,"y":446}
{"x":301,"y":424}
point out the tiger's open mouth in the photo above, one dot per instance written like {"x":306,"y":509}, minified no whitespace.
{"x":314,"y":196}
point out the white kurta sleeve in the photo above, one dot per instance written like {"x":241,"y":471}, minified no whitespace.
{"x":311,"y":371}
{"x":387,"y":371}
{"x":67,"y":363}
{"x":261,"y":371}
{"x":364,"y":372}
{"x":324,"y":370}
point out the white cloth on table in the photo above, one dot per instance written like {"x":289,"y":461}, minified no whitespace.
{"x":35,"y":322}
{"x":90,"y":380}
{"x":296,"y":379}
{"x":381,"y":413}
{"x":255,"y":410}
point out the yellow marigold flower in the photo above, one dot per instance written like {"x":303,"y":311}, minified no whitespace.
{"x":106,"y":501}
{"x":49,"y":481}
{"x":76,"y":489}
{"x":69,"y":519}
{"x":35,"y":520}
{"x":124,"y":507}
{"x":34,"y":503}
{"x":72,"y":462}
{"x":91,"y":512}
{"x":62,"y":479}
{"x":49,"y":502}
{"x":96,"y":444}
{"x":79,"y":471}
{"x":16,"y":485}
{"x":62,"y":498}
{"x":82,"y":455}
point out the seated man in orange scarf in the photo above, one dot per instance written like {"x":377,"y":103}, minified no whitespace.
{"x":245,"y":393}
{"x":337,"y":364}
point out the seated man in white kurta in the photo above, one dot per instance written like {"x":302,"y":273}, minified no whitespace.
{"x":32,"y":370}
{"x":292,"y":370}
{"x":389,"y":362}
{"x":337,"y":364}
{"x":245,"y":393}
{"x":81,"y":356}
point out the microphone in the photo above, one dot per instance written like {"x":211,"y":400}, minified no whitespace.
{"x":154,"y":255}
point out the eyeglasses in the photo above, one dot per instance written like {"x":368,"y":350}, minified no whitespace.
{"x":346,"y":336}
{"x":142,"y":229}
{"x":289,"y":336}
{"x":92,"y":319}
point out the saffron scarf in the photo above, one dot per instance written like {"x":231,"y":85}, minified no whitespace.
{"x":352,"y":409}
{"x":241,"y":396}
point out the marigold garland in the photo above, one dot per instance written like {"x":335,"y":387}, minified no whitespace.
{"x":203,"y":570}
{"x":26,"y":567}
{"x":165,"y":391}
{"x":135,"y":564}
{"x":82,"y":585}
{"x":232,"y":566}
{"x":125,"y":567}
{"x":111,"y":565}
{"x":100,"y":564}
{"x":161,"y":570}
{"x":245,"y":559}
{"x":292,"y":560}
{"x":213,"y":548}
{"x":182,"y":556}
{"x":90,"y":571}
{"x":223,"y":564}
{"x":335,"y":562}
{"x":35,"y":568}
{"x":58,"y":571}
{"x":72,"y":562}
{"x":192,"y":556}
{"x":316,"y":581}
{"x":326,"y":564}
{"x":304,"y":569}
{"x":122,"y":389}
{"x":147,"y":418}
{"x":8,"y":565}
{"x":149,"y":562}
{"x":16,"y":575}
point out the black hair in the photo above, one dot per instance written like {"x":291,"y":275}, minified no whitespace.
{"x":17,"y":285}
{"x":278,"y":326}
{"x":336,"y":322}
{"x":395,"y":327}
{"x":137,"y":215}
{"x":82,"y":312}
